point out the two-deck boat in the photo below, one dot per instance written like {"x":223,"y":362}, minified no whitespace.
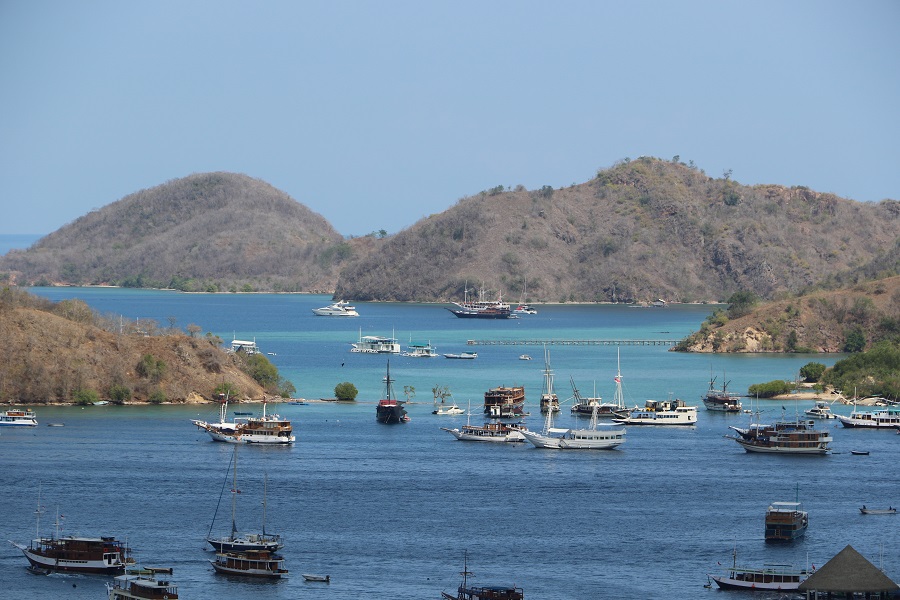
{"x":376,"y":344}
{"x":783,"y":437}
{"x":240,"y":542}
{"x":884,"y":418}
{"x":505,"y":402}
{"x":661,"y":412}
{"x":481,"y":308}
{"x":390,"y":410}
{"x":21,"y":417}
{"x":487,"y":592}
{"x":821,"y":410}
{"x":774,"y":577}
{"x":147,"y":583}
{"x":785,"y":521}
{"x":420,"y":350}
{"x":721,"y":400}
{"x":250,"y":563}
{"x":267,"y":429}
{"x":336,"y":309}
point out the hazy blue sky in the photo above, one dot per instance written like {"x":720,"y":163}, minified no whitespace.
{"x":376,"y":114}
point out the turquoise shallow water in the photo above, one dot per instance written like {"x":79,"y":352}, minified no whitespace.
{"x":388,"y":510}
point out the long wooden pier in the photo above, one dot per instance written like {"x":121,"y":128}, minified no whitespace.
{"x":572,"y":342}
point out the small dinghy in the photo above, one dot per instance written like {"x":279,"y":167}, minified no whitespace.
{"x":317,"y":578}
{"x":859,"y":452}
{"x":878,"y":511}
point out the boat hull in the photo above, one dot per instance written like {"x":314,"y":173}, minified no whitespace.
{"x":483,"y":435}
{"x":735,"y":584}
{"x":260,"y":573}
{"x":92,"y":567}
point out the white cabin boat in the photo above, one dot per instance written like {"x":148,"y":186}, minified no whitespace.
{"x":489,"y":432}
{"x":771,"y":577}
{"x":602,"y":437}
{"x":420,"y":350}
{"x":244,"y":346}
{"x":463,"y":355}
{"x":336,"y":309}
{"x":884,"y":418}
{"x":661,"y":412}
{"x":376,"y":344}
{"x":821,"y":410}
{"x":21,"y":417}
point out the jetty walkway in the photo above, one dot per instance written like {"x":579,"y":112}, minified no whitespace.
{"x":572,"y":342}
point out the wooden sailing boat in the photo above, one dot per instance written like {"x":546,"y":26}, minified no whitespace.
{"x":236,"y":542}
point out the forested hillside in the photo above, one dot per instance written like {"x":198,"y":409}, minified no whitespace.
{"x":641,"y":230}
{"x":205,"y":232}
{"x":65,"y":352}
{"x":844,"y":320}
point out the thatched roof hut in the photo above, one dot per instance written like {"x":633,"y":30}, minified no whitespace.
{"x":847,"y":573}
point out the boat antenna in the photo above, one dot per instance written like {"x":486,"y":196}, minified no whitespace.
{"x":234,"y":492}
{"x":265,"y":495}
{"x":38,"y":512}
{"x":465,"y":572}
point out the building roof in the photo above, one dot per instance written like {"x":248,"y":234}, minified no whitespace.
{"x":849,"y":571}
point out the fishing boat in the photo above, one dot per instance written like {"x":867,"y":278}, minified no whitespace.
{"x":463,"y":356}
{"x":549,"y":400}
{"x":859,"y":452}
{"x":878,"y":511}
{"x":239,"y":542}
{"x":721,"y":400}
{"x":821,"y":410}
{"x":18,"y":417}
{"x":595,"y":437}
{"x":783,"y":437}
{"x":317,"y":578}
{"x":604,"y":410}
{"x":481,"y":308}
{"x":486,"y":592}
{"x":147,"y":583}
{"x":505,"y":402}
{"x":336,"y":309}
{"x":661,"y":412}
{"x":885,"y":418}
{"x":772,"y":576}
{"x":785,"y":521}
{"x":266,"y":429}
{"x":375,"y":344}
{"x":421,"y":350}
{"x":390,"y":410}
{"x":250,"y":563}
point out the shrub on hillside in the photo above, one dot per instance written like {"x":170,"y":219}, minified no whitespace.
{"x":771,"y":389}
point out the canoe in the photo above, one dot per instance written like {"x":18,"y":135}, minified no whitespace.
{"x":878,"y":511}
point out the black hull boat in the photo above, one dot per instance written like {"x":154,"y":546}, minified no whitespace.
{"x":389,"y":410}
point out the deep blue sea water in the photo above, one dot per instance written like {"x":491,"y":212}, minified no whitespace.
{"x":387,"y":511}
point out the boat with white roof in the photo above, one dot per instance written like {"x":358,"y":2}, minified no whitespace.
{"x":336,"y":309}
{"x":18,"y":417}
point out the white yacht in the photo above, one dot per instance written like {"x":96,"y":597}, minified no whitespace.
{"x":822,"y":410}
{"x":661,"y":412}
{"x":883,"y":418}
{"x":337,"y":309}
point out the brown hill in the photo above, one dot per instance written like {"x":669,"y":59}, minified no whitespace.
{"x":54,"y":350}
{"x":822,"y":321}
{"x":641,"y":230}
{"x":204,"y":232}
